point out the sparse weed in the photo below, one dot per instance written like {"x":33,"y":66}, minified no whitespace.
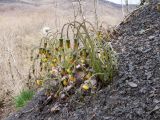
{"x":22,"y":99}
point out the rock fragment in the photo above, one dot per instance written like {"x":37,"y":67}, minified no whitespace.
{"x":132,"y":84}
{"x":55,"y":108}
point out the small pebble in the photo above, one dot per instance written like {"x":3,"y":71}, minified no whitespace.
{"x":132,"y":84}
{"x":151,"y":37}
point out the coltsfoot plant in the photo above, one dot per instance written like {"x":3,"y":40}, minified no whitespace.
{"x":64,"y":64}
{"x":22,"y":99}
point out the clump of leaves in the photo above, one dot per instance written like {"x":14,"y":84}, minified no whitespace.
{"x":64,"y":65}
{"x":22,"y":99}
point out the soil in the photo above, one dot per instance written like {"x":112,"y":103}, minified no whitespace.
{"x":134,"y":93}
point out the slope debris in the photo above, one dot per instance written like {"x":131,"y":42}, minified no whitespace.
{"x":135,"y":91}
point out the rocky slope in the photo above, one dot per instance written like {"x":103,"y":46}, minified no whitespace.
{"x":134,"y":93}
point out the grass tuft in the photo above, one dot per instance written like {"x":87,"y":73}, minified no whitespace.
{"x":22,"y":99}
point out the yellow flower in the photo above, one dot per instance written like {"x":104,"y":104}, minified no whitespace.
{"x":42,"y":51}
{"x":44,"y":59}
{"x":71,"y":78}
{"x":54,"y":60}
{"x":39,"y":82}
{"x":53,"y":65}
{"x":82,"y":61}
{"x":65,"y":82}
{"x":88,"y":76}
{"x":68,"y":70}
{"x":85,"y":87}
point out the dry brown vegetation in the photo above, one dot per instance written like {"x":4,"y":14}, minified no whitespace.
{"x":20,"y":27}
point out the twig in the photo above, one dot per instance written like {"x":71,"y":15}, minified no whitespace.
{"x":95,"y":12}
{"x":81,"y":10}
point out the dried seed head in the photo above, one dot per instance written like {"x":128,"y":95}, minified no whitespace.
{"x":48,"y":55}
{"x":68,"y":43}
{"x":84,"y":54}
{"x":45,"y":45}
{"x":41,"y":64}
{"x":31,"y":58}
{"x":57,"y":49}
{"x":41,"y":68}
{"x":76,"y":44}
{"x":45,"y":30}
{"x":33,"y":71}
{"x":61,"y":43}
{"x":60,"y":58}
{"x":37,"y":56}
{"x":29,"y":76}
{"x":63,"y":71}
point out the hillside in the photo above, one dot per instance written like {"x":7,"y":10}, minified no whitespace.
{"x":135,"y":91}
{"x":21,"y":24}
{"x":109,"y":12}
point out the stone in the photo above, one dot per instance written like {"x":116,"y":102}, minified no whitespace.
{"x":132,"y":84}
{"x":155,"y":109}
{"x":141,"y":31}
{"x":156,"y":101}
{"x":151,"y":37}
{"x":158,"y":7}
{"x":55,"y":108}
